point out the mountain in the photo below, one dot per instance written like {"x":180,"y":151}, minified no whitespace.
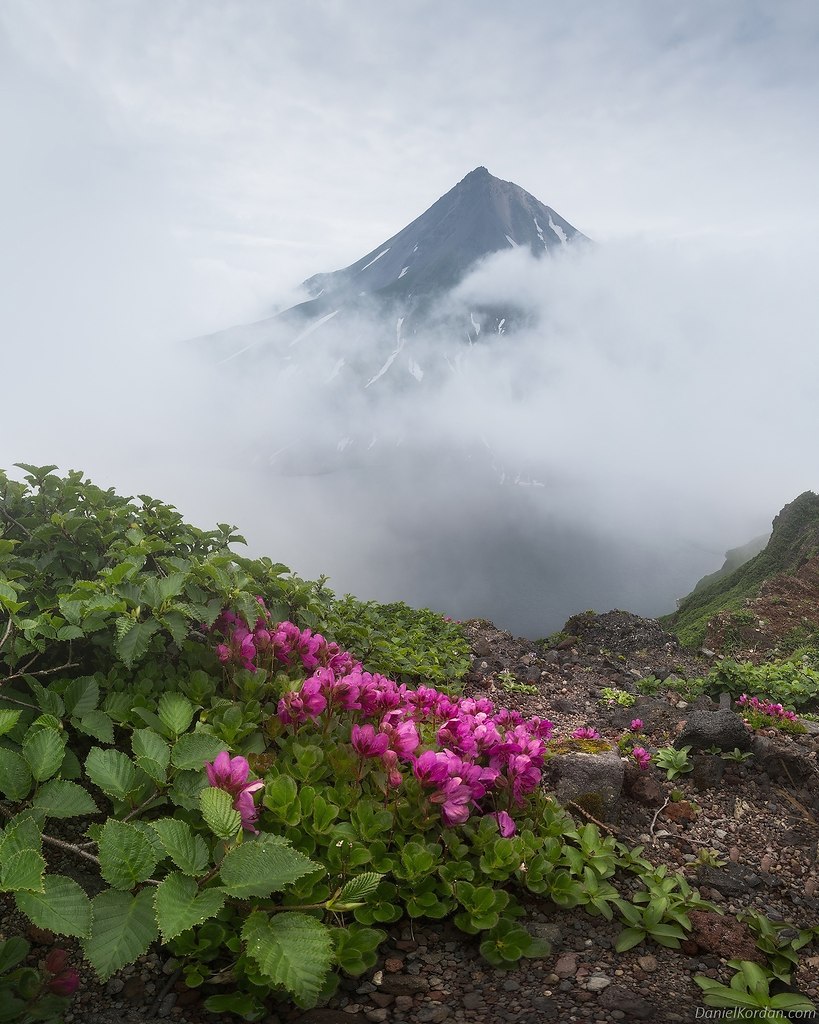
{"x":792,"y":551}
{"x":406,"y":276}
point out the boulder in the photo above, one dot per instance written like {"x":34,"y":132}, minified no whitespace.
{"x":593,"y":781}
{"x":705,"y":729}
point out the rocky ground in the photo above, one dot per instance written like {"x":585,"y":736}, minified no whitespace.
{"x":761,"y":816}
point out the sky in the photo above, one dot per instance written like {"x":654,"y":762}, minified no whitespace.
{"x":172,"y":169}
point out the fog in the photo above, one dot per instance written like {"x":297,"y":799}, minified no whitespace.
{"x":171,"y":170}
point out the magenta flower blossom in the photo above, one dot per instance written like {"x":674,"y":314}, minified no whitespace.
{"x":455,"y":798}
{"x":636,"y":724}
{"x":64,"y":984}
{"x":403,"y":738}
{"x":586,"y":733}
{"x":431,"y":767}
{"x":231,"y":775}
{"x":369,"y":743}
{"x":642,"y":757}
{"x":506,"y":824}
{"x":766,"y":707}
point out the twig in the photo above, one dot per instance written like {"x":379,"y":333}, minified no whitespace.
{"x":142,"y":806}
{"x":582,"y":810}
{"x":10,"y":519}
{"x":169,"y":984}
{"x":656,"y":816}
{"x":38,"y":672}
{"x":53,"y":841}
{"x":6,"y":634}
{"x":22,"y":703}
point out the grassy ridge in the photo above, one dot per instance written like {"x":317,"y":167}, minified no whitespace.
{"x":794,"y":539}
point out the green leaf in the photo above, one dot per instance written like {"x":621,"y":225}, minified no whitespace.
{"x":69,"y":633}
{"x":114,"y":772}
{"x":126,"y":855}
{"x":151,"y":753}
{"x":44,"y":751}
{"x":12,"y":952}
{"x":180,"y":905}
{"x":175,"y":712}
{"x":8,"y":720}
{"x":61,"y":907}
{"x":195,"y":748}
{"x":60,"y":799}
{"x":96,"y":724}
{"x":264,"y":865}
{"x":81,"y":696}
{"x":22,"y":870}
{"x":629,"y":937}
{"x":219,"y":813}
{"x":22,"y":833}
{"x":15,"y":778}
{"x":357,"y":891}
{"x":292,"y":950}
{"x":187,"y":851}
{"x":134,"y":642}
{"x":122,"y":929}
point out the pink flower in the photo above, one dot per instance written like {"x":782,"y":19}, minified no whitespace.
{"x":430,"y":768}
{"x":636,"y":725}
{"x":403,"y":738}
{"x":455,"y":798}
{"x":56,"y":960}
{"x":231,"y":775}
{"x":642,"y":757}
{"x":586,"y":734}
{"x":506,"y":825}
{"x":369,"y":743}
{"x":65,"y":984}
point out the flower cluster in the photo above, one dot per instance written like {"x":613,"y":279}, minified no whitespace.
{"x":274,"y":646}
{"x":636,"y":724}
{"x":766,"y":707}
{"x":586,"y":733}
{"x":231,"y":775}
{"x":467,"y":757}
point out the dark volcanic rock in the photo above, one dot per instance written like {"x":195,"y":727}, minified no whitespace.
{"x":593,"y":781}
{"x":707,"y":771}
{"x":617,"y":997}
{"x":705,"y":729}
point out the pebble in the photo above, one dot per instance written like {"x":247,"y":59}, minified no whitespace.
{"x":597,"y":982}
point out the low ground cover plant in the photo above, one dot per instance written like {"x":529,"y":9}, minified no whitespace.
{"x":242,"y":786}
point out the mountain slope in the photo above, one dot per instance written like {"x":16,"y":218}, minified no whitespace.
{"x":407,"y":274}
{"x":794,"y":542}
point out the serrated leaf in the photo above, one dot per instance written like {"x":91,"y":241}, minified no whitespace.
{"x":62,"y":906}
{"x":60,"y":799}
{"x":261,"y":866}
{"x":151,"y":753}
{"x":219,"y":813}
{"x":123,"y":927}
{"x":186,"y":789}
{"x":175,"y":712}
{"x":22,"y":870}
{"x":176,"y":624}
{"x":180,"y":905}
{"x":113,"y":772}
{"x":23,"y":832}
{"x":187,"y":851}
{"x":44,"y":751}
{"x":8,"y":720}
{"x":134,"y":643}
{"x":69,"y":633}
{"x":96,"y":724}
{"x":81,"y":696}
{"x":192,"y":750}
{"x":292,"y":950}
{"x":126,"y":855}
{"x":15,"y":777}
{"x":357,"y":890}
{"x":49,"y":701}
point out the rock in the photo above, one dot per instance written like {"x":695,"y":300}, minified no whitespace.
{"x":566,"y":966}
{"x":166,"y":1005}
{"x":597,"y":982}
{"x":781,"y":761}
{"x":593,"y":781}
{"x":716,"y":934}
{"x":382,"y":998}
{"x":377,"y":1015}
{"x":552,"y":933}
{"x":730,"y":880}
{"x":393,"y":965}
{"x":642,"y":787}
{"x":648,"y":963}
{"x":403,"y":984}
{"x":134,"y":989}
{"x":326,"y":1016}
{"x":472,"y":1000}
{"x":114,"y":986}
{"x":404,"y":1003}
{"x":680,"y":812}
{"x":707,"y":771}
{"x":705,"y":729}
{"x":617,"y":997}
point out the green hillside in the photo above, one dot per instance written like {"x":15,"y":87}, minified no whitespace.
{"x":794,"y":539}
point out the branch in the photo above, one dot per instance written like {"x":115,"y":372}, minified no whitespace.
{"x":39,"y":671}
{"x":656,"y":816}
{"x":6,"y":634}
{"x":10,"y":519}
{"x":53,"y":841}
